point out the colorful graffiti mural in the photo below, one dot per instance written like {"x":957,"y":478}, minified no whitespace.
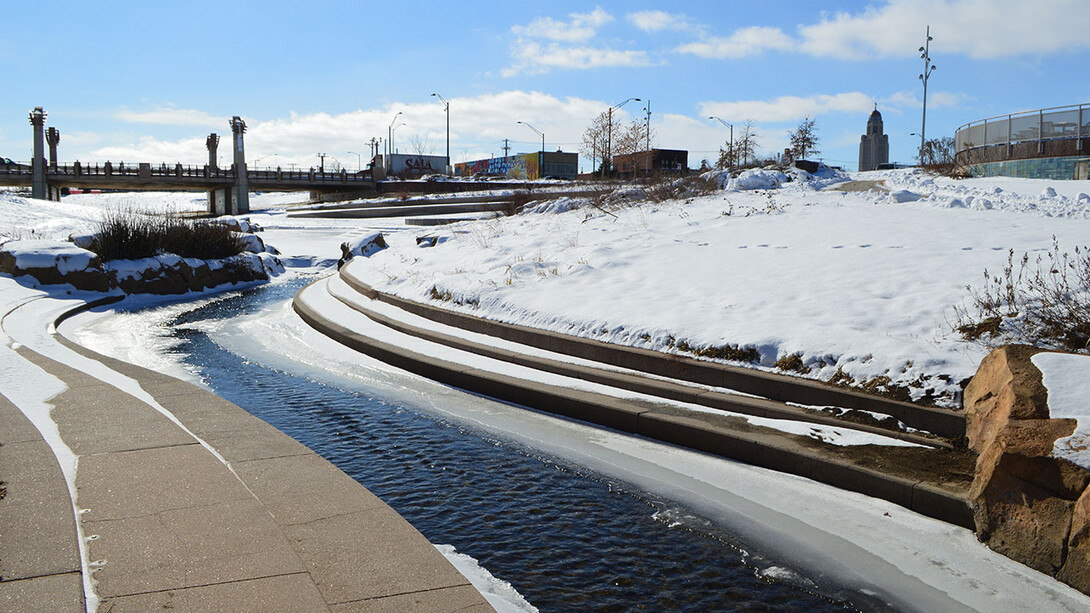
{"x":522,"y":166}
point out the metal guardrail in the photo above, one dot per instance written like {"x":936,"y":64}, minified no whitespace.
{"x":1056,"y":123}
{"x":179,"y":171}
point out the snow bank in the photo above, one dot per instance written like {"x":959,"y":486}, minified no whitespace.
{"x":1067,"y":379}
{"x":65,"y":257}
{"x":756,"y":178}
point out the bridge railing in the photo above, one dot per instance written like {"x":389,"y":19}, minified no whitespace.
{"x":1064,"y":122}
{"x":145,"y":171}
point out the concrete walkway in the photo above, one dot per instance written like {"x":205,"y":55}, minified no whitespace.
{"x":213,"y":510}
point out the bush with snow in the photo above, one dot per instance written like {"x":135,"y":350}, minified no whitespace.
{"x":756,"y":178}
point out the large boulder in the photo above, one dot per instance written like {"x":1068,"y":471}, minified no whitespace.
{"x":1028,"y":505}
{"x":55,"y":263}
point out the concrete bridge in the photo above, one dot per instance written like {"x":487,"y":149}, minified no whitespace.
{"x":228,"y":188}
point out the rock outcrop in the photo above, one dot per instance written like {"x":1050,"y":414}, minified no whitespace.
{"x":59,"y":263}
{"x":1028,"y":505}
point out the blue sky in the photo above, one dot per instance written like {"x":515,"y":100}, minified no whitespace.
{"x":138,"y":81}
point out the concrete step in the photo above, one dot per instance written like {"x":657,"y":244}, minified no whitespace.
{"x":941,"y":422}
{"x":599,"y":373}
{"x":891,"y":473}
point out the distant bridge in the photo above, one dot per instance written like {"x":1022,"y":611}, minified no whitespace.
{"x":145,"y":176}
{"x":228,"y":188}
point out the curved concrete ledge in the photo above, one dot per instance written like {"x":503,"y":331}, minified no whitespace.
{"x":215,"y":511}
{"x":945,"y":423}
{"x":722,"y":435}
{"x":758,"y":407}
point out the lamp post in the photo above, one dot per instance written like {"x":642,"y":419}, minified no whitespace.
{"x":928,"y":68}
{"x":390,"y":139}
{"x":358,"y":162}
{"x":446,"y":107}
{"x":647,"y":154}
{"x":609,"y":134}
{"x":730,"y":145}
{"x":540,"y":156}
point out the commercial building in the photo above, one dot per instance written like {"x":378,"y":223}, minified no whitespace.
{"x":524,"y":166}
{"x":656,"y":161}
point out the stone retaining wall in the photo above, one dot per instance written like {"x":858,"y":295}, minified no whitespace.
{"x":1027,"y":505}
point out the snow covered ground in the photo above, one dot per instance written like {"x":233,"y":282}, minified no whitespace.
{"x":863,"y":283}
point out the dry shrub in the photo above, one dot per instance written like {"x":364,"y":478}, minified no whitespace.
{"x":1043,"y":302}
{"x":127,"y":235}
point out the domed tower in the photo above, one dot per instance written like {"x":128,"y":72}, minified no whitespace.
{"x":874,"y":145}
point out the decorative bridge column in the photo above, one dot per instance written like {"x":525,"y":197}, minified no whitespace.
{"x":53,"y":138}
{"x":217,"y":198}
{"x":240,"y":203}
{"x":38,"y":187}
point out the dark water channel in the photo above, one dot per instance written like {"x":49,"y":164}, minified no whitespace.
{"x":565,"y":538}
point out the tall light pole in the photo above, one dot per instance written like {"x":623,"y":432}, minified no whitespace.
{"x":928,"y":68}
{"x":648,"y":152}
{"x":540,"y":156}
{"x":358,"y":162}
{"x":390,"y":139}
{"x":446,"y":107}
{"x":609,"y":134}
{"x":730,"y":145}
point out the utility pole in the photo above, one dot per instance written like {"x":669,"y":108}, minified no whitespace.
{"x":928,"y":68}
{"x":609,"y":134}
{"x":321,"y":162}
{"x":648,"y":154}
{"x":730,"y":145}
{"x":506,"y":149}
{"x":446,"y":107}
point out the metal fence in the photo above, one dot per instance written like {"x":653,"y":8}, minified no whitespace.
{"x":1062,"y":122}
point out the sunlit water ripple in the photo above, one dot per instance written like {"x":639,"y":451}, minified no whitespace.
{"x":566,"y":539}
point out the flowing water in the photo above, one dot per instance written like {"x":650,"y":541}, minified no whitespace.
{"x":566,"y":538}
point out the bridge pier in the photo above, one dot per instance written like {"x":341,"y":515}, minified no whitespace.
{"x":38,"y":187}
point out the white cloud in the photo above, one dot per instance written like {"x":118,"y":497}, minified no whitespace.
{"x":581,"y":28}
{"x":981,"y":29}
{"x":565,"y":46}
{"x":656,"y":21}
{"x":534,"y":58}
{"x":168,"y":116}
{"x":742,"y":43}
{"x":478,"y":126}
{"x":788,"y":108}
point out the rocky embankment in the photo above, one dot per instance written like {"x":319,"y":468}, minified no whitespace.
{"x":1028,"y":505}
{"x":62,"y":262}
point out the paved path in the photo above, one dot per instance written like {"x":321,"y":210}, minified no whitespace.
{"x":201,"y":508}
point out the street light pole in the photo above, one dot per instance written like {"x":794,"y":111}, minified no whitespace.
{"x":608,"y":162}
{"x":446,"y":107}
{"x":928,"y":68}
{"x":730,"y":145}
{"x":541,"y":156}
{"x":358,"y":162}
{"x":390,"y":140}
{"x":648,"y":152}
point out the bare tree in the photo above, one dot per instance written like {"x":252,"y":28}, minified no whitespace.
{"x":420,"y":145}
{"x":804,"y":140}
{"x":745,"y":144}
{"x":938,"y":151}
{"x":595,"y":139}
{"x":633,"y":141}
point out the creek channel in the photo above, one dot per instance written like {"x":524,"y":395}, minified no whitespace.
{"x":567,"y":537}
